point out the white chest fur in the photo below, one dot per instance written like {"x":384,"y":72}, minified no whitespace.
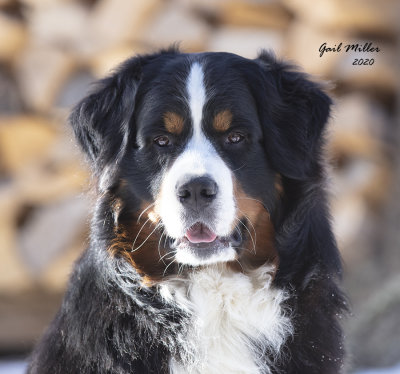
{"x":229,"y":310}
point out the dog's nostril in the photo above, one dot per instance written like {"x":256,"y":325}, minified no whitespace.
{"x":183,"y":193}
{"x":209,"y":192}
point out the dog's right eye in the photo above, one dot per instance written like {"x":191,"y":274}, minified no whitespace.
{"x":234,"y":138}
{"x":162,"y":141}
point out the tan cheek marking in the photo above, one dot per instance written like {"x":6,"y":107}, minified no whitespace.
{"x":222,"y":121}
{"x":173,"y":122}
{"x":145,"y":254}
{"x":261,"y":228}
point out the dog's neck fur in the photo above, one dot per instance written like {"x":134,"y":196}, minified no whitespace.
{"x":236,"y":320}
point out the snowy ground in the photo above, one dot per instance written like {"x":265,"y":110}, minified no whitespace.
{"x":12,"y":367}
{"x":18,"y":367}
{"x":393,"y":370}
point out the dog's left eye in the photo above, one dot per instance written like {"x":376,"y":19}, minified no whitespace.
{"x":162,"y":141}
{"x":234,"y":138}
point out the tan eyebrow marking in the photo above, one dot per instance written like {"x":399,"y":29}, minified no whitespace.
{"x":222,"y":121}
{"x":173,"y":122}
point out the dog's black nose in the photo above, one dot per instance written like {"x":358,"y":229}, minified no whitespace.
{"x":197,"y":193}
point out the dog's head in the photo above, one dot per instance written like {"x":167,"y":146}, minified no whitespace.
{"x":193,"y":153}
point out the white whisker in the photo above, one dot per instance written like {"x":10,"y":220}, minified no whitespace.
{"x":239,"y":264}
{"x":239,"y":168}
{"x":165,"y":270}
{"x":251,"y":236}
{"x":159,"y":245}
{"x":140,"y":230}
{"x":145,"y":240}
{"x":143,"y":211}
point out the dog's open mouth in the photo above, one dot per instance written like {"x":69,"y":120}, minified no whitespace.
{"x":202,"y":243}
{"x":200,"y":233}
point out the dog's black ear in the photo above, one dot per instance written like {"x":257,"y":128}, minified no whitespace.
{"x":293,"y":111}
{"x":101,"y":120}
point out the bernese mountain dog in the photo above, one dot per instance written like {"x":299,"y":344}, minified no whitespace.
{"x":211,"y":249}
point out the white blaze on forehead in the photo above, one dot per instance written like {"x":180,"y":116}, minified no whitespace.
{"x":197,"y":96}
{"x":199,"y":158}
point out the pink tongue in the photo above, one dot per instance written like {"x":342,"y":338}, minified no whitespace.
{"x":200,"y":233}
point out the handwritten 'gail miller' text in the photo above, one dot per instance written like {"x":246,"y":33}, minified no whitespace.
{"x":363,"y":48}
